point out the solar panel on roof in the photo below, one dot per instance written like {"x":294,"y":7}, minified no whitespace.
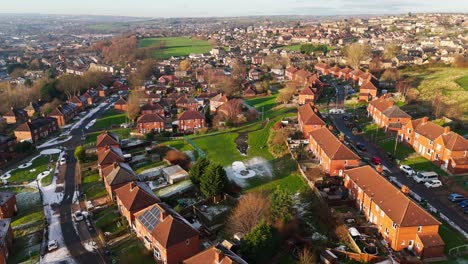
{"x":150,"y":218}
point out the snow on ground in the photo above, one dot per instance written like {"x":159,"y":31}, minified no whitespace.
{"x":88,"y":115}
{"x":7,"y":174}
{"x":50,"y":151}
{"x":255,"y":167}
{"x":54,"y":141}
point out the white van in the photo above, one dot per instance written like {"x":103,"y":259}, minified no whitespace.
{"x":425,"y":176}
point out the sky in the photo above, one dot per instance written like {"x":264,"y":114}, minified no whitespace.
{"x":220,"y":8}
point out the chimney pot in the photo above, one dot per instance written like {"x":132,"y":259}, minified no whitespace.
{"x":446,"y":129}
{"x":379,"y":168}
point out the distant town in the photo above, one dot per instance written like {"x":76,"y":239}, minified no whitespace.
{"x":282,"y":139}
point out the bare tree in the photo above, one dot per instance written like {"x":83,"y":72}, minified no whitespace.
{"x":307,"y":257}
{"x":460,"y":61}
{"x":355,"y":53}
{"x":437,"y":103}
{"x":133,"y":108}
{"x":250,"y":210}
{"x":391,"y":75}
{"x":238,"y":69}
{"x":70,"y":85}
{"x":185,"y":65}
{"x":391,"y":51}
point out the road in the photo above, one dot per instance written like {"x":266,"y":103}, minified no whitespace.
{"x":437,"y":197}
{"x":75,"y":238}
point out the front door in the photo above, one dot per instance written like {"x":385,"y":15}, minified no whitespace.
{"x":410,"y":244}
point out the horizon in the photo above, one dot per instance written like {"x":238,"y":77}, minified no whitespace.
{"x":240,"y":8}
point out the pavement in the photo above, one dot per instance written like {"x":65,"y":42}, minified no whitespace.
{"x":437,"y":197}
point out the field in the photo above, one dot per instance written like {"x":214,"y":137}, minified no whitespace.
{"x":220,"y":148}
{"x":293,"y":47}
{"x":93,"y":187}
{"x":176,"y":46}
{"x":108,"y":119}
{"x":452,"y":81}
{"x":26,"y":175}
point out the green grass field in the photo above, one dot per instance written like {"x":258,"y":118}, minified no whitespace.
{"x":176,"y":46}
{"x":26,"y":175}
{"x":420,"y":163}
{"x":220,"y":148}
{"x":463,"y":82}
{"x":293,"y":47}
{"x":93,"y":187}
{"x":109,"y":118}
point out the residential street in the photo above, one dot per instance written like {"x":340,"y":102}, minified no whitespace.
{"x":437,"y":197}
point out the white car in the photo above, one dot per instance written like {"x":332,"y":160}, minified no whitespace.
{"x":52,"y":245}
{"x":63,"y":161}
{"x":78,"y":216}
{"x":407,"y":170}
{"x":433,"y":184}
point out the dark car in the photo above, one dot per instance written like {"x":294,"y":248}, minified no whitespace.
{"x":361,"y":146}
{"x":463,"y":204}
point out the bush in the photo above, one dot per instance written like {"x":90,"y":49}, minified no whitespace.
{"x":23,"y":147}
{"x":260,"y":244}
{"x":80,"y":153}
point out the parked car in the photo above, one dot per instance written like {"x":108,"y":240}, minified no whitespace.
{"x":78,"y":216}
{"x":63,"y":161}
{"x":361,"y":146}
{"x":125,"y":125}
{"x":425,"y":176}
{"x":52,"y":245}
{"x":350,"y":125}
{"x":376,"y":160}
{"x":455,"y":197}
{"x":407,"y":170}
{"x":463,"y":204}
{"x":433,"y":184}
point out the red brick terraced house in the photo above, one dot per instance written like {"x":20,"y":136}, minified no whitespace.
{"x":302,"y":76}
{"x":187,"y":103}
{"x":322,"y":68}
{"x":134,"y":197}
{"x":307,"y":96}
{"x":167,"y":234}
{"x":106,"y":139}
{"x":8,"y":206}
{"x":152,"y":108}
{"x":80,"y":102}
{"x":37,"y":129}
{"x":14,"y":116}
{"x":64,"y":114}
{"x":402,"y":222}
{"x":437,"y":144}
{"x":333,"y":155}
{"x":309,"y":120}
{"x":367,"y":92}
{"x":121,"y":105}
{"x":345,"y":73}
{"x":335,"y":71}
{"x":387,"y":115}
{"x":108,"y":156}
{"x":6,"y":239}
{"x":355,"y":74}
{"x":216,"y":254}
{"x":91,"y":96}
{"x":150,"y":123}
{"x":190,"y":121}
{"x":290,"y":73}
{"x":117,"y":175}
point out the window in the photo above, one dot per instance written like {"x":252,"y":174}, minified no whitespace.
{"x":377,"y":208}
{"x":157,"y":254}
{"x":409,"y":131}
{"x":386,"y":231}
{"x":419,"y":228}
{"x":428,"y":151}
{"x":382,"y":214}
{"x":431,"y":142}
{"x":394,"y":225}
{"x":346,"y":162}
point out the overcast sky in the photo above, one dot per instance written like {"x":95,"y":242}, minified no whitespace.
{"x":197,"y":8}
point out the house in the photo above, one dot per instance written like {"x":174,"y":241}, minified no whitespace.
{"x":31,"y":109}
{"x":8,"y":206}
{"x":301,"y":76}
{"x":367,"y":91}
{"x":106,"y":139}
{"x":250,"y":91}
{"x":191,"y":120}
{"x":117,"y":175}
{"x":7,"y":144}
{"x":175,"y":174}
{"x":217,"y":101}
{"x":333,"y":155}
{"x":14,"y":116}
{"x":290,"y":73}
{"x":90,"y":96}
{"x":335,"y":71}
{"x":150,"y":123}
{"x":6,"y":239}
{"x":255,"y":74}
{"x":216,"y":254}
{"x":79,"y":101}
{"x":345,"y":73}
{"x":103,"y":91}
{"x":401,"y":221}
{"x":37,"y":129}
{"x":64,"y":113}
{"x":322,"y":68}
{"x":121,"y":105}
{"x":309,"y":119}
{"x":108,"y":156}
{"x":387,"y":115}
{"x":437,"y":144}
{"x":307,"y":96}
{"x":187,"y":103}
{"x":166,"y":234}
{"x":152,"y":108}
{"x":134,"y":197}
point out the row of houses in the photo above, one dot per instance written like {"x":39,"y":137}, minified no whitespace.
{"x":401,"y":222}
{"x":438,"y":144}
{"x":8,"y":209}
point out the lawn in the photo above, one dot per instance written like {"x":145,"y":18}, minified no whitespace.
{"x":132,"y":251}
{"x":463,"y":82}
{"x":451,"y":237}
{"x":293,"y":47}
{"x":402,"y":150}
{"x":92,"y":186}
{"x":420,"y":163}
{"x":220,"y":148}
{"x":175,"y":46}
{"x":374,"y":132}
{"x":121,"y":132}
{"x":292,"y":183}
{"x":109,"y":118}
{"x":181,"y":145}
{"x":39,"y":165}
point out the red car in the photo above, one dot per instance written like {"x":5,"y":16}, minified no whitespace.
{"x":376,"y":161}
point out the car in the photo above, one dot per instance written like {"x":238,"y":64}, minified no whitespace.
{"x":463,"y":204}
{"x":52,"y":245}
{"x":376,"y":160}
{"x":361,"y":146}
{"x":125,"y":125}
{"x":407,"y":170}
{"x":455,"y":197}
{"x":78,"y":216}
{"x":350,"y":125}
{"x":433,"y":184}
{"x":63,"y":161}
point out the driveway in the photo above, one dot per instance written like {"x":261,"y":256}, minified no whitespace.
{"x":437,"y":197}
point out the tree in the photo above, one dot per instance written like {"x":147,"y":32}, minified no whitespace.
{"x":260,"y":244}
{"x":48,"y":92}
{"x":251,"y":209}
{"x":437,"y":103}
{"x":391,"y":75}
{"x":133,"y":108}
{"x":355,"y":53}
{"x":94,"y":78}
{"x":280,"y":205}
{"x":214,"y":181}
{"x":239,"y":70}
{"x":70,"y":85}
{"x":198,"y":169}
{"x":230,"y":86}
{"x":23,"y":147}
{"x":185,"y":65}
{"x":208,"y":117}
{"x":391,"y":51}
{"x":80,"y":153}
{"x":17,"y":72}
{"x":460,"y":61}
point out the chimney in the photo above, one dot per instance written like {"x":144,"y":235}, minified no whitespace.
{"x":133,"y":186}
{"x":391,"y":103}
{"x":315,"y":110}
{"x":379,"y":168}
{"x":405,"y":189}
{"x":446,"y":129}
{"x":424,"y":120}
{"x":218,"y":256}
{"x":330,"y":127}
{"x":341,"y":137}
{"x":115,"y":164}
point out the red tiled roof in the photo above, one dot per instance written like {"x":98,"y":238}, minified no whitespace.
{"x":172,"y":231}
{"x":308,"y":115}
{"x":190,"y":115}
{"x":150,"y":118}
{"x":331,"y":145}
{"x":134,"y":197}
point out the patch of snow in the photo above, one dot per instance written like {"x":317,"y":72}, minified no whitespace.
{"x":54,"y":141}
{"x":51,"y":151}
{"x":240,"y":171}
